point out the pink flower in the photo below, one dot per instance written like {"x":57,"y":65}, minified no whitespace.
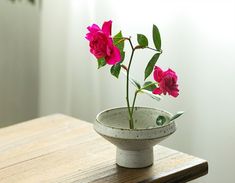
{"x":157,"y":75}
{"x":112,"y":54}
{"x":101,"y":43}
{"x":167,"y":82}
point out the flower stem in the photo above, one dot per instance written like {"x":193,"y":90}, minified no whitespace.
{"x":147,"y":47}
{"x":131,"y":123}
{"x":124,"y":67}
{"x":136,"y":92}
{"x":133,"y":104}
{"x":160,"y":51}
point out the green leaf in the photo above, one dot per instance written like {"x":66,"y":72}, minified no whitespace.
{"x":160,"y":120}
{"x":115,"y":70}
{"x":122,"y":56}
{"x":149,"y":85}
{"x":119,"y":41}
{"x":150,"y":94}
{"x":178,"y":114}
{"x":156,"y":38}
{"x":142,"y":40}
{"x":134,"y":82}
{"x":101,"y":63}
{"x":151,"y":64}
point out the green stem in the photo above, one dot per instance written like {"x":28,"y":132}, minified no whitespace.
{"x":131,"y":123}
{"x":160,"y":51}
{"x":143,"y":47}
{"x":131,"y":108}
{"x":136,"y":92}
{"x":133,"y":104}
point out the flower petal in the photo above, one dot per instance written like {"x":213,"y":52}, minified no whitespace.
{"x":106,"y":28}
{"x":93,"y":28}
{"x":157,"y":74}
{"x":114,"y":56}
{"x":157,"y":91}
{"x":89,"y":36}
{"x":174,"y":93}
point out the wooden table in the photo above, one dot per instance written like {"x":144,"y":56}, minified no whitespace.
{"x":59,"y":148}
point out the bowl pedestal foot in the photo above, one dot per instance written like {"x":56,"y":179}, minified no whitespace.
{"x":134,"y":158}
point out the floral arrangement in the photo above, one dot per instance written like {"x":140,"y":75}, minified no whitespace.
{"x":109,"y":50}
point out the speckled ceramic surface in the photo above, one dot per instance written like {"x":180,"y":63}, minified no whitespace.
{"x":134,"y":147}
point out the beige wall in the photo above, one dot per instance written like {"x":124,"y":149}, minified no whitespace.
{"x":19,"y":33}
{"x":69,"y":82}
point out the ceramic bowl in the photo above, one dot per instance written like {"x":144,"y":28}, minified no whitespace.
{"x":134,"y":146}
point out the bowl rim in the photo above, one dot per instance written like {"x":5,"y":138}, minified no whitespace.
{"x":135,"y":129}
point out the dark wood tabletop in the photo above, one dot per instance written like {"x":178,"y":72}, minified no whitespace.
{"x":60,"y":148}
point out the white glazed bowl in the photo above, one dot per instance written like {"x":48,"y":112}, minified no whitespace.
{"x":134,"y":146}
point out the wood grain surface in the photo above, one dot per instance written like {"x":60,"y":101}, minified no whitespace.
{"x":59,"y":148}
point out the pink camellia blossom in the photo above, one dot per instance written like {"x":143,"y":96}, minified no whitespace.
{"x":101,"y":43}
{"x":112,"y":54}
{"x":167,"y":81}
{"x":157,"y":75}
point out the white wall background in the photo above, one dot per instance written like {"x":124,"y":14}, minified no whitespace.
{"x":19,"y":63}
{"x":198,"y":42}
{"x":67,"y":78}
